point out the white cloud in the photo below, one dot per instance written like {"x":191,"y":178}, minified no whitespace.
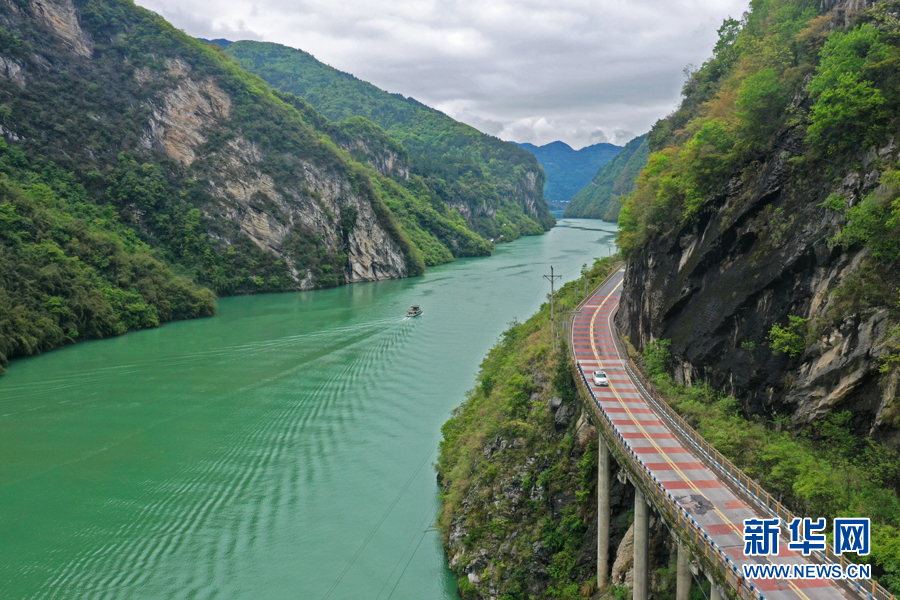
{"x":527,"y":70}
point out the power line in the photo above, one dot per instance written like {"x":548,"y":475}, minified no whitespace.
{"x":377,"y":525}
{"x":399,"y":560}
{"x":421,"y":539}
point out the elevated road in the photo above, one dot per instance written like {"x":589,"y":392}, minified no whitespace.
{"x":702,"y":503}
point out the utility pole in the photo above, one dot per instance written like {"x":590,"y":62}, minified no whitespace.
{"x":552,"y":279}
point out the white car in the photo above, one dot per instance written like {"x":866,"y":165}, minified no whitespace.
{"x":600,"y":378}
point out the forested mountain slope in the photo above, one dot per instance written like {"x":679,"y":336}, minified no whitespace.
{"x":763,"y":257}
{"x":496,"y":186}
{"x":763,"y":238}
{"x":763,"y":246}
{"x":602,"y":197}
{"x":138,"y":162}
{"x":568,"y":170}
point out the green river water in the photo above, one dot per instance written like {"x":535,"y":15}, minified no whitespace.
{"x":280,"y":450}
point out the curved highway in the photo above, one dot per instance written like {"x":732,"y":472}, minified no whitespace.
{"x":711,"y":502}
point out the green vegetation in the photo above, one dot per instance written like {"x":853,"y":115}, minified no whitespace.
{"x":460,"y":166}
{"x":733,"y":107}
{"x":875,"y":222}
{"x":791,"y":339}
{"x":91,"y":130}
{"x":825,"y":472}
{"x":70,"y":270}
{"x":736,"y":104}
{"x":849,"y":89}
{"x":508,"y":408}
{"x":569,"y":170}
{"x":603,"y":197}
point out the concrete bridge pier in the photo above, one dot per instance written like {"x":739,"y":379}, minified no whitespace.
{"x":683,"y":574}
{"x":603,"y":515}
{"x":715,"y":592}
{"x":641,"y":545}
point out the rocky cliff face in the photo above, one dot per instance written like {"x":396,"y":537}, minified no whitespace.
{"x":228,"y":146}
{"x":759,"y":252}
{"x":60,"y":17}
{"x":268,"y":212}
{"x":265,"y":210}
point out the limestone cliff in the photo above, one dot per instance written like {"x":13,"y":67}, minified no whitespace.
{"x":157,"y":125}
{"x":60,"y":17}
{"x":495,"y":186}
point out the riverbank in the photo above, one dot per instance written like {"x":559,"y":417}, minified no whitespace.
{"x":280,"y":447}
{"x":517,"y":468}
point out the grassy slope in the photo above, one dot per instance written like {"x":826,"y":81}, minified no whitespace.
{"x":600,"y":199}
{"x":509,"y":403}
{"x":457,"y":161}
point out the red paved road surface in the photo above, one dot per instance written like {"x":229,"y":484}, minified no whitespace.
{"x":712,"y":504}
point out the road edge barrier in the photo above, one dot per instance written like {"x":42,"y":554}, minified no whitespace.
{"x":704,"y":547}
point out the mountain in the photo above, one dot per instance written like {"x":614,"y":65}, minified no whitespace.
{"x":142,"y":172}
{"x":569,"y":170}
{"x":761,"y":297}
{"x":763,"y":254}
{"x":496,"y":186}
{"x":599,"y":199}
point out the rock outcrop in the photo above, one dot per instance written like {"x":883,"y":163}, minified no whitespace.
{"x":758,"y":252}
{"x":12,"y":70}
{"x":256,"y":167}
{"x":183,"y":112}
{"x":60,"y":17}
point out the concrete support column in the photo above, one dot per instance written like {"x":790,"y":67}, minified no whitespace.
{"x":715,"y":593}
{"x":683,"y":575}
{"x":641,"y":545}
{"x":603,"y":515}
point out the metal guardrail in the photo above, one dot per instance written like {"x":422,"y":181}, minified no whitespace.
{"x":705,"y":548}
{"x":774,"y":508}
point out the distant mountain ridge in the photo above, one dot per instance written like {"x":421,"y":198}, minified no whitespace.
{"x":601,"y":197}
{"x":222,"y":42}
{"x":568,"y":170}
{"x":496,"y":186}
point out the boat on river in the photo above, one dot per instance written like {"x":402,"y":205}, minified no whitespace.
{"x":413,"y":311}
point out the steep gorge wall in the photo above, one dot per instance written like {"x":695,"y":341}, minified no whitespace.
{"x":180,"y":107}
{"x":758,"y":252}
{"x":763,"y":230}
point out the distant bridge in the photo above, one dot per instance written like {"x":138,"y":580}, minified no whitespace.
{"x":702,"y":497}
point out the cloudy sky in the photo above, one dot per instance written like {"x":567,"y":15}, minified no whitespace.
{"x":580,"y":71}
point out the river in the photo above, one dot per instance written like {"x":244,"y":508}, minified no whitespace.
{"x":280,"y":450}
